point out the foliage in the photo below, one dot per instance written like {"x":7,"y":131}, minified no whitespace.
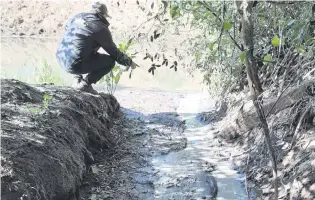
{"x":46,"y":100}
{"x":35,"y":110}
{"x":277,"y":27}
{"x":112,"y":78}
{"x":45,"y":74}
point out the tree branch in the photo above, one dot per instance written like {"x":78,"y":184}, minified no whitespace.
{"x":262,"y":60}
{"x":297,"y":130}
{"x":245,"y":11}
{"x":221,"y":33}
{"x":214,"y":14}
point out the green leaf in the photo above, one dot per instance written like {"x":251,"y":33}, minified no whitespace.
{"x":121,"y":47}
{"x":227,"y":25}
{"x":117,"y":78}
{"x":267,"y":58}
{"x":198,"y":57}
{"x":243,"y":56}
{"x":174,"y":11}
{"x":211,"y":46}
{"x":47,"y":97}
{"x":275,"y":41}
{"x":310,"y":42}
{"x":115,"y":68}
{"x":300,"y":49}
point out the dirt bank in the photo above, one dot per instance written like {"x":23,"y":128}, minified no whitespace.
{"x":291,"y":120}
{"x":49,"y":136}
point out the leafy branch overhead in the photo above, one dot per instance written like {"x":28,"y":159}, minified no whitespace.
{"x":219,"y":38}
{"x":277,"y":27}
{"x":157,"y":61}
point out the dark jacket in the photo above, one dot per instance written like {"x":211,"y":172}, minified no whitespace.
{"x":85,"y":34}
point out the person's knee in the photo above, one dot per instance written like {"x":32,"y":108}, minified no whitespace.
{"x":111,"y":62}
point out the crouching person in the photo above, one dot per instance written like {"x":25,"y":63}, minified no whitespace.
{"x":77,"y":51}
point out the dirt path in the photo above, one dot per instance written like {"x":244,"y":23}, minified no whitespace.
{"x":162,"y":157}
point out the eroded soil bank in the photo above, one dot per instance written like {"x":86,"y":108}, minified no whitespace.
{"x":291,"y":121}
{"x":49,"y":136}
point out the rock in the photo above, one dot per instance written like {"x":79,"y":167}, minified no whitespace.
{"x":20,"y":20}
{"x":41,"y":31}
{"x":213,"y":186}
{"x":310,"y":178}
{"x":295,"y":189}
{"x":229,"y":135}
{"x":95,"y":169}
{"x":305,"y":194}
{"x":266,"y":191}
{"x":88,"y":157}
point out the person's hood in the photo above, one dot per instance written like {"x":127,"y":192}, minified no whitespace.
{"x":103,"y":19}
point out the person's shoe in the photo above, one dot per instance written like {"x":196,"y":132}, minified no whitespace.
{"x":85,"y":87}
{"x":77,"y":80}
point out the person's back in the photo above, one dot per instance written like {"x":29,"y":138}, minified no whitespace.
{"x":77,"y":52}
{"x":79,"y":42}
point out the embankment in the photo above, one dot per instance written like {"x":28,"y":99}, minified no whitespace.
{"x":49,"y":136}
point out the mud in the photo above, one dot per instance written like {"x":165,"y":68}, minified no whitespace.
{"x":189,"y":173}
{"x":180,"y":154}
{"x":46,"y":148}
{"x":129,"y":172}
{"x":153,"y":148}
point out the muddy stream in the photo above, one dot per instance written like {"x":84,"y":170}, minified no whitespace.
{"x":183,"y":170}
{"x":181,"y":153}
{"x":185,"y":173}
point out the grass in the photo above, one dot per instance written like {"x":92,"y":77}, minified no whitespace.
{"x":46,"y":73}
{"x":40,"y":110}
{"x":43,"y":72}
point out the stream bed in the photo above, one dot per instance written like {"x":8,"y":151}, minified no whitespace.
{"x":184,"y":174}
{"x":187,"y":152}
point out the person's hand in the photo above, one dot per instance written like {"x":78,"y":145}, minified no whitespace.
{"x":133,"y":65}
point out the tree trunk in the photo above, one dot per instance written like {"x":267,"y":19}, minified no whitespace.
{"x":312,"y":22}
{"x":245,"y":10}
{"x":248,"y":43}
